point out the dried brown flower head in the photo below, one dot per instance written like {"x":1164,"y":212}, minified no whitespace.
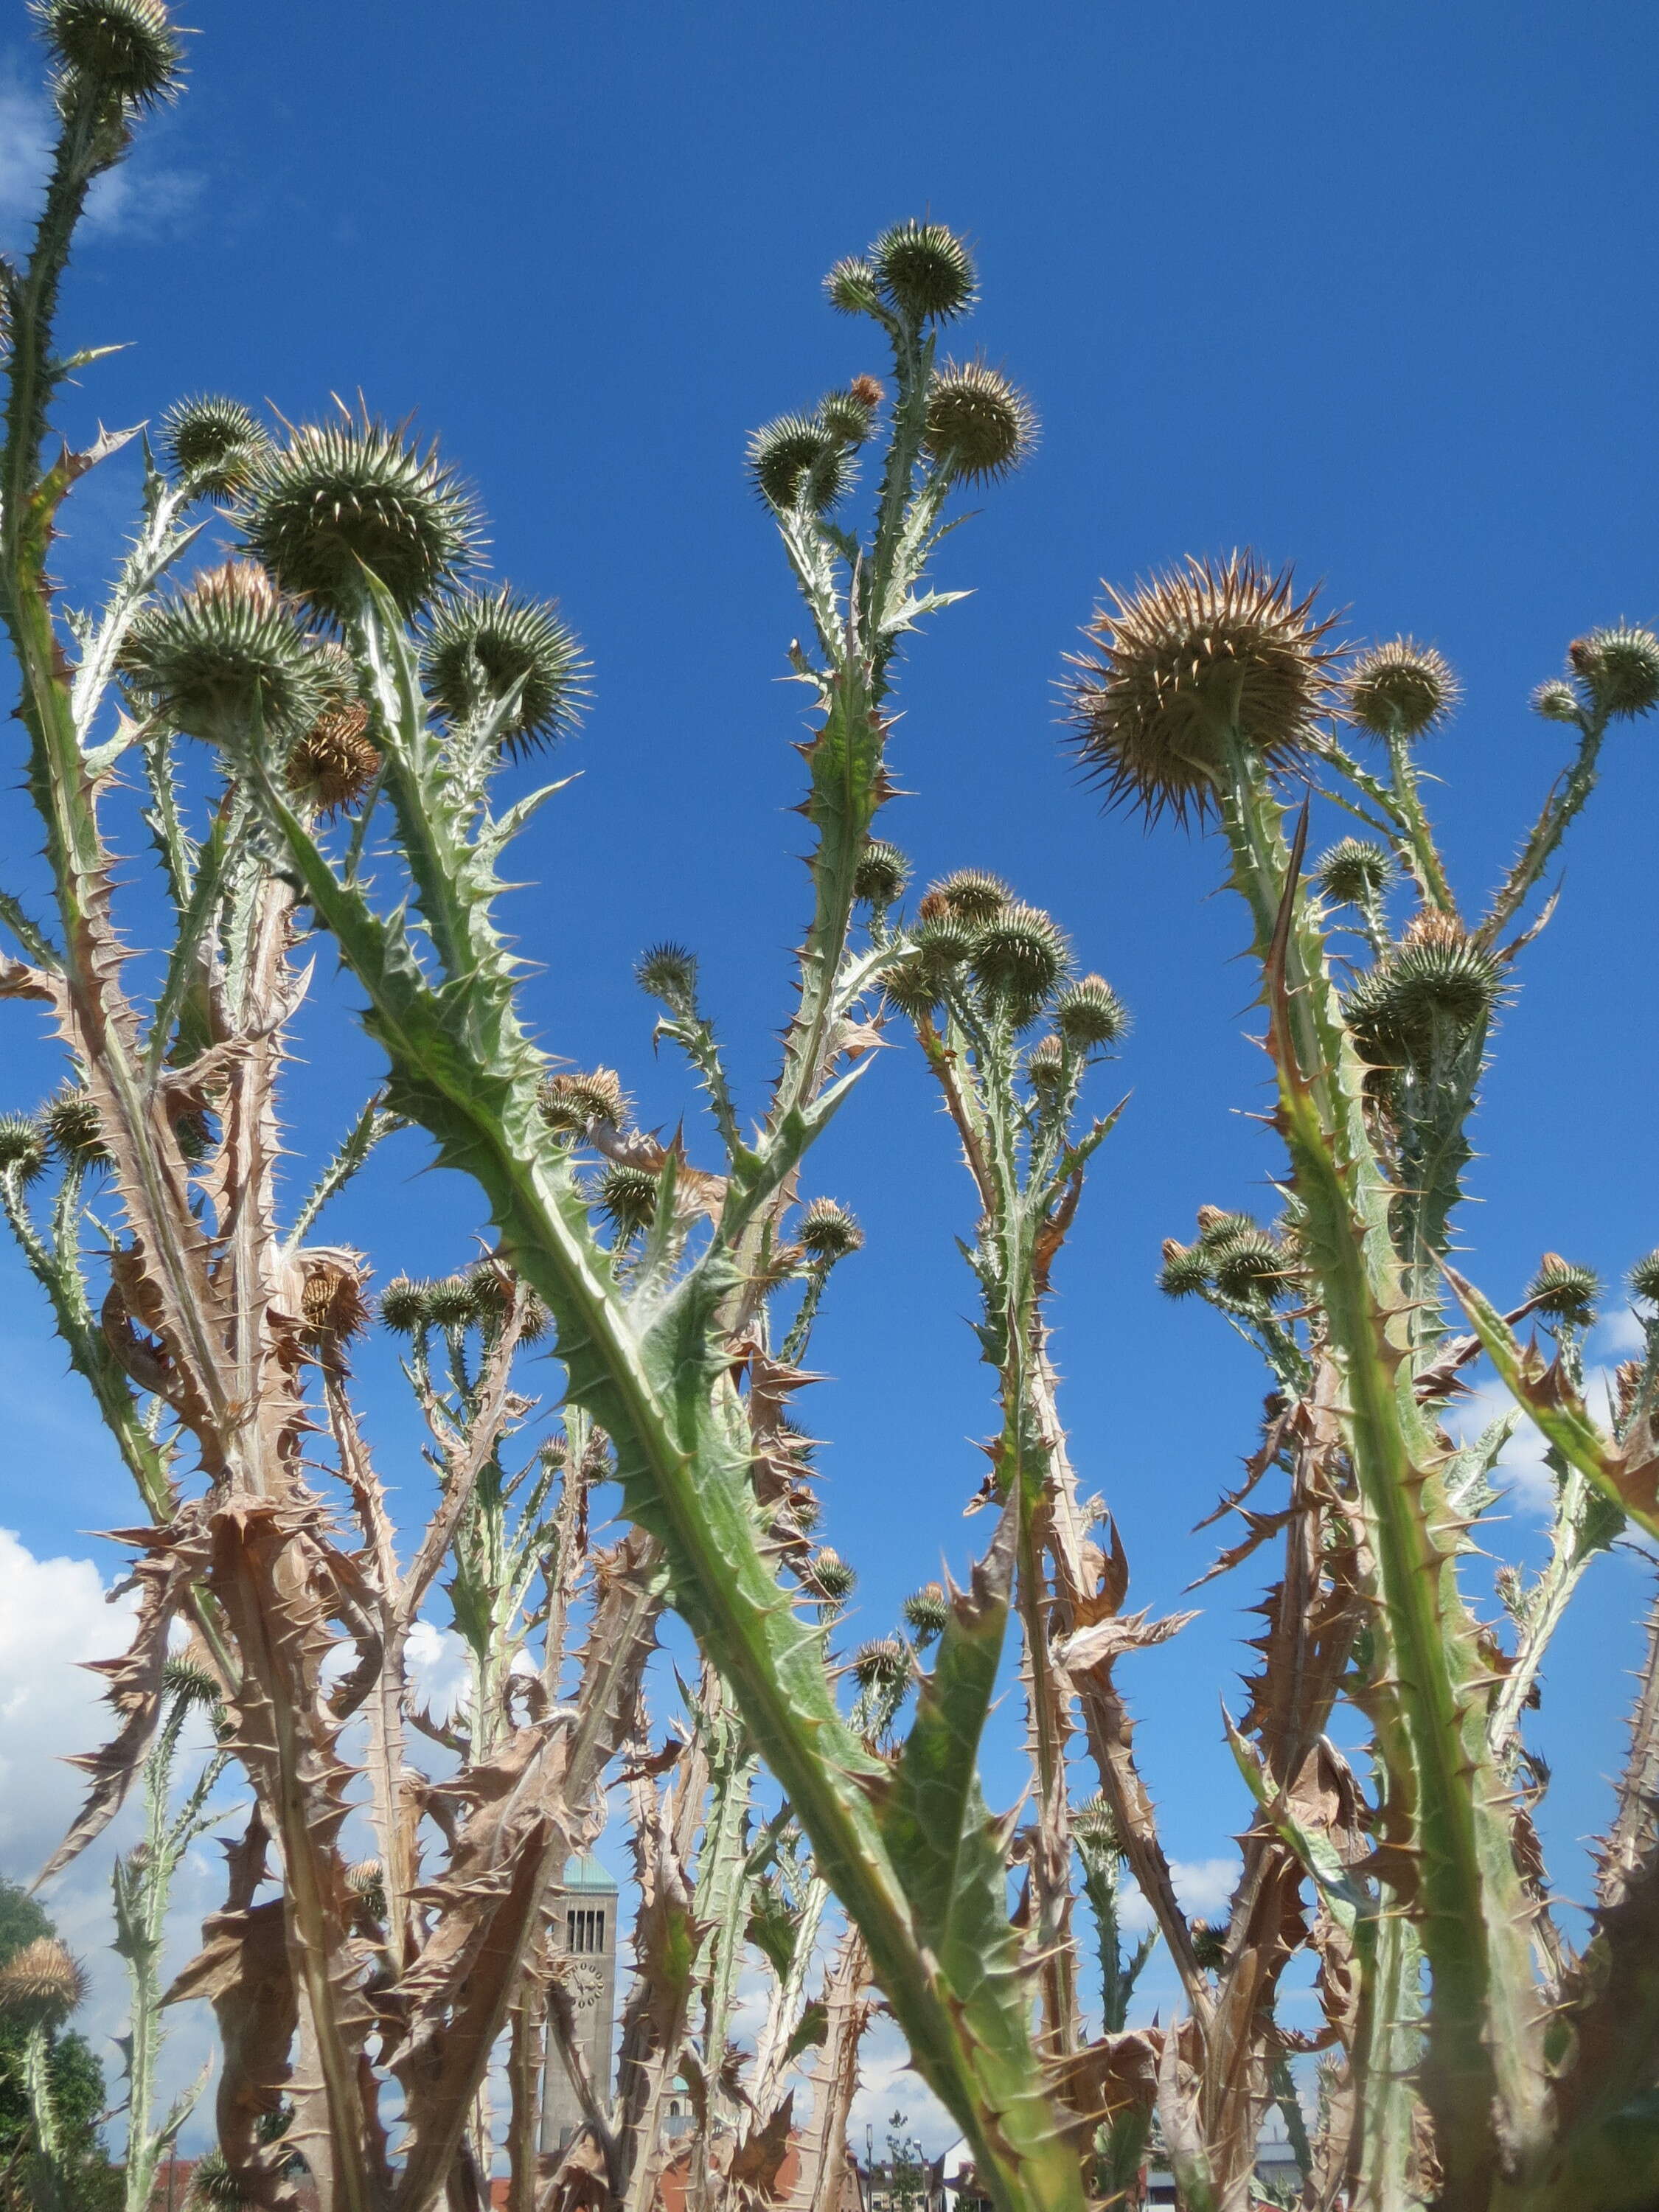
{"x":335,"y":762}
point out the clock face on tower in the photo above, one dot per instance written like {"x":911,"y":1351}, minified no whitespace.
{"x":584,"y":1981}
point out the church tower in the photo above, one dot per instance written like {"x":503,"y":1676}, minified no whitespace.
{"x":583,"y":1930}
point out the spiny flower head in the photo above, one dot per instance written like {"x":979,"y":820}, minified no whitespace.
{"x":833,"y":1575}
{"x":333,"y":764}
{"x":1565,"y":1291}
{"x":1644,"y":1279}
{"x":853,"y":287}
{"x":452,"y":1303}
{"x":978,"y":422}
{"x":926,"y":1611}
{"x":576,"y":1101}
{"x":1184,"y":659}
{"x":829,"y":1231}
{"x":211,"y":658}
{"x":669,"y":972}
{"x":211,"y":443}
{"x":1090,"y":1014}
{"x":881,"y":1664}
{"x":796,"y":457}
{"x":128,"y":48}
{"x":1045,"y":1063}
{"x":627,"y":1196}
{"x":881,"y":875}
{"x":848,"y":416}
{"x":1619,"y":668}
{"x":22,"y":1147}
{"x":973,"y":893}
{"x":924,"y":270}
{"x":341,"y":497}
{"x":1020,"y":956}
{"x":480,"y":646}
{"x":1186,"y":1269}
{"x":493,"y":1291}
{"x":1248,"y":1266}
{"x":1401,"y":690}
{"x":41,"y":1982}
{"x":1355,"y":871}
{"x":403,"y":1305}
{"x":1093,"y":1826}
{"x":71,"y":1122}
{"x":1439,"y":986}
{"x":946,"y":936}
{"x":1557,"y":701}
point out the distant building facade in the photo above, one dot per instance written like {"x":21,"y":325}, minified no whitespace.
{"x":584,"y":1913}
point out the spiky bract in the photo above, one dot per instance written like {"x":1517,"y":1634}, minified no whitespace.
{"x":973,"y":893}
{"x":834,"y":1577}
{"x":1093,"y":1824}
{"x":947,"y":937}
{"x":1355,"y":871}
{"x":796,"y":457}
{"x":669,"y":972}
{"x":577,"y":1101}
{"x":881,"y":1664}
{"x":1557,"y":701}
{"x":483,"y":647}
{"x":22,"y":1147}
{"x":1436,"y":988}
{"x":1401,"y":689}
{"x":341,"y":497}
{"x":211,"y":443}
{"x":128,"y":48}
{"x":452,"y":1303}
{"x":627,"y":1196}
{"x":924,"y":270}
{"x":1619,"y":668}
{"x":333,"y":764}
{"x":1020,"y":956}
{"x":1186,"y":1269}
{"x":1189,"y":656}
{"x":1644,"y":1279}
{"x":213,"y":659}
{"x":403,"y":1305}
{"x":978,"y":422}
{"x":881,"y":875}
{"x":829,"y":1231}
{"x":71,"y":1124}
{"x":1565,"y":1291}
{"x":41,"y":1982}
{"x":1090,"y":1014}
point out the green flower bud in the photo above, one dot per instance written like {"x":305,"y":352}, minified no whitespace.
{"x":1090,"y":1014}
{"x":1401,"y":690}
{"x":452,"y":1303}
{"x":403,"y":1305}
{"x":1186,"y":1270}
{"x":924,"y":270}
{"x":881,"y":1664}
{"x":669,"y":972}
{"x":1186,"y":659}
{"x":973,"y":893}
{"x":926,"y":1611}
{"x":1355,"y":871}
{"x":480,"y":649}
{"x":1557,"y":701}
{"x":978,"y":423}
{"x":947,"y":939}
{"x":211,"y":443}
{"x":835,"y":1578}
{"x":829,"y":1231}
{"x":1644,"y":1279}
{"x":22,"y":1147}
{"x":343,"y":497}
{"x":881,"y":875}
{"x":1045,"y":1063}
{"x":627,"y":1196}
{"x":1249,"y":1268}
{"x":1435,"y":987}
{"x":71,"y":1125}
{"x":1565,"y":1292}
{"x":1096,"y":1830}
{"x":852,"y":287}
{"x":1020,"y":955}
{"x":795,"y":459}
{"x":212,"y":659}
{"x":1619,"y":668}
{"x":573,"y":1103}
{"x":845,"y":415}
{"x":127,"y":48}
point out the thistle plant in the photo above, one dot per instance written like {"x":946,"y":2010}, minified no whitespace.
{"x":337,"y":685}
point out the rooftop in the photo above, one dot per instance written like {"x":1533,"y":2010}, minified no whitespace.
{"x":584,"y":1872}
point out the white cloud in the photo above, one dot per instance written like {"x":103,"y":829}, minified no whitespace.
{"x":1619,"y":1334}
{"x":142,"y":197}
{"x":437,"y":1667}
{"x":1205,"y":1888}
{"x":25,"y":150}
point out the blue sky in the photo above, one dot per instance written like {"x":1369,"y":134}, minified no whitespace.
{"x":1361,"y":286}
